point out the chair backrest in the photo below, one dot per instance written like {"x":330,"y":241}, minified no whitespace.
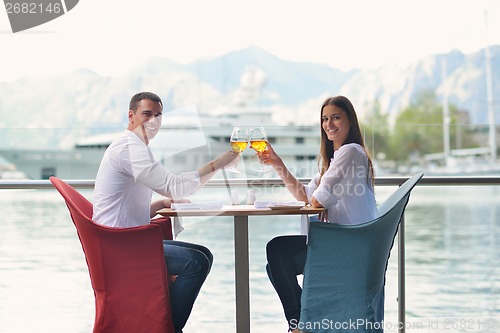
{"x":75,"y":201}
{"x":396,"y":197}
{"x":344,"y":275}
{"x":127,"y":270}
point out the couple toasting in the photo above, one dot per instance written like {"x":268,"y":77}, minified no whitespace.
{"x":128,"y":176}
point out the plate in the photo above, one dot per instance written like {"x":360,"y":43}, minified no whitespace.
{"x":276,"y":207}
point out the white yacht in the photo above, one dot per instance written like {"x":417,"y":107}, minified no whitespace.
{"x":9,"y":171}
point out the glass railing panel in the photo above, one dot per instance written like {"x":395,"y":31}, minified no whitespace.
{"x":452,"y":271}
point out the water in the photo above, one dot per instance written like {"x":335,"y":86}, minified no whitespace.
{"x":452,"y":265}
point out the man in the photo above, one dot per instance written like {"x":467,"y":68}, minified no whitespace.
{"x":124,"y":186}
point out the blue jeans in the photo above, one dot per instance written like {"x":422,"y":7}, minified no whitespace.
{"x":286,"y":257}
{"x":191,"y":263}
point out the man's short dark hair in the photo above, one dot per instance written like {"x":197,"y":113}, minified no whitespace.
{"x":143,"y":95}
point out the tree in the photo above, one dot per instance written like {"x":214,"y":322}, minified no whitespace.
{"x":419,"y":129}
{"x":376,"y":131}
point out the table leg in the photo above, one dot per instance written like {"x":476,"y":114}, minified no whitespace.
{"x":241,"y":263}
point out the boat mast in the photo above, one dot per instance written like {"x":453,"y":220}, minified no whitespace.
{"x":489,"y":96}
{"x":446,"y":114}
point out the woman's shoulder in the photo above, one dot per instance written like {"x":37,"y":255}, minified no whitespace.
{"x":351,"y":148}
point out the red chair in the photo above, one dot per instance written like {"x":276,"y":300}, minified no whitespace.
{"x":127,"y":269}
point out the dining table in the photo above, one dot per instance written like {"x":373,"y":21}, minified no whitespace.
{"x":241,"y":214}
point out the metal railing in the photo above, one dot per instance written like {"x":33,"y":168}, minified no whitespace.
{"x":379,"y":181}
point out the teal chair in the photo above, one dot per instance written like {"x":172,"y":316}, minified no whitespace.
{"x":344,"y":274}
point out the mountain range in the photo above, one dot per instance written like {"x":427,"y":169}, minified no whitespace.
{"x":58,"y":110}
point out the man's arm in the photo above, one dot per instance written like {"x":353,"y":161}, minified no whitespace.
{"x":208,"y":170}
{"x":157,"y":205}
{"x":163,"y":203}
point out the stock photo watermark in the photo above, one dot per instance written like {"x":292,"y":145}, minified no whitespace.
{"x":26,"y":14}
{"x":451,"y":324}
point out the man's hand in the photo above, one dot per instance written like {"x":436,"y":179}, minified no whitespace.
{"x":167,"y":202}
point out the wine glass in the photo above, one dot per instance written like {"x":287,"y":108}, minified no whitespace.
{"x":258,"y":142}
{"x":239,"y":141}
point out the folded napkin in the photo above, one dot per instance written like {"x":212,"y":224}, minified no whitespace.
{"x":197,"y":205}
{"x":267,"y":203}
{"x":178,"y":226}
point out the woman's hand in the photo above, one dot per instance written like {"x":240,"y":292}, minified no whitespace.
{"x":323,"y":216}
{"x":315,"y":203}
{"x":269,"y":157}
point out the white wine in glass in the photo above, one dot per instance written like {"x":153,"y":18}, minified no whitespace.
{"x":258,"y":142}
{"x":239,"y":142}
{"x":238,"y":146}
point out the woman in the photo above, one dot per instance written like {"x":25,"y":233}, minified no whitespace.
{"x":344,"y":186}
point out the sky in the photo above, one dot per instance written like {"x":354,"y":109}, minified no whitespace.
{"x":110,"y":37}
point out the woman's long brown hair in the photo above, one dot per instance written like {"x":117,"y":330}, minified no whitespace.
{"x":354,"y":136}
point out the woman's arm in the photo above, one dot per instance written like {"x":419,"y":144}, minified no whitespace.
{"x":341,"y":177}
{"x":296,"y":188}
{"x":315,"y":203}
